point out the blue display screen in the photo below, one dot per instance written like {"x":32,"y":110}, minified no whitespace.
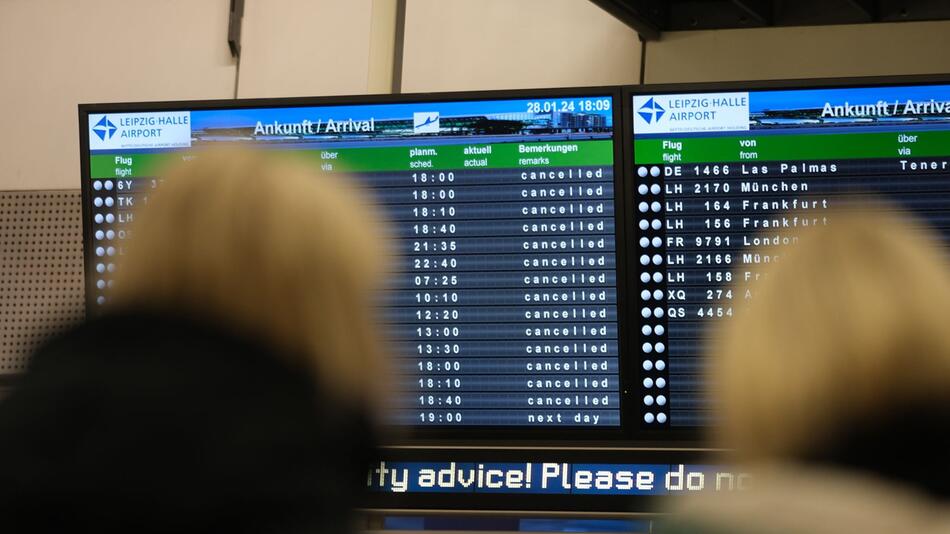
{"x":503,"y":310}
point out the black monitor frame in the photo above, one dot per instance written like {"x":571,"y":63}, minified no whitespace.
{"x":629,"y":443}
{"x":415,"y":434}
{"x":695,"y":436}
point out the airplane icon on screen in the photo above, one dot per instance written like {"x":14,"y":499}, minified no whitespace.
{"x":425,"y":122}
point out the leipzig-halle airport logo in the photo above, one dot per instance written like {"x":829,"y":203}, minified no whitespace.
{"x":425,"y":122}
{"x":651,"y":111}
{"x":104,"y":128}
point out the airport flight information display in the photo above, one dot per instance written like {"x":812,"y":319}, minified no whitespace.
{"x":504,"y":308}
{"x":717,"y":174}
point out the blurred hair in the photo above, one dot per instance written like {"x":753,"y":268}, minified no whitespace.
{"x":264,"y":244}
{"x":849,"y":323}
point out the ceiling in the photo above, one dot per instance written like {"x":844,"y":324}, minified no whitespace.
{"x":650,"y":18}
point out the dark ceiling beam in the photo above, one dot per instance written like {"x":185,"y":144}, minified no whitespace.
{"x":760,"y":11}
{"x":868,"y":8}
{"x":631,"y":16}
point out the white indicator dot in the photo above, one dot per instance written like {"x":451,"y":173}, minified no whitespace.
{"x":647,"y":330}
{"x":648,"y":417}
{"x":110,"y":201}
{"x":658,"y":312}
{"x":647,"y":348}
{"x":110,"y":251}
{"x":658,"y":277}
{"x":656,"y":224}
{"x":656,"y":207}
{"x":654,"y":171}
{"x":657,"y":241}
{"x":645,"y":260}
{"x":645,"y":294}
{"x":643,"y":189}
{"x":659,"y":330}
{"x":655,"y":189}
{"x":643,"y":207}
{"x":660,"y":365}
{"x":97,"y":185}
{"x":97,"y":201}
{"x":661,"y":382}
{"x":644,"y":224}
{"x":661,"y":400}
{"x":111,"y":268}
{"x":100,"y":268}
{"x":661,"y":417}
{"x":660,"y":347}
{"x":645,"y":312}
{"x":101,"y":284}
{"x":100,"y":251}
{"x":645,"y":277}
{"x":100,"y":300}
{"x":648,"y":382}
{"x":99,"y":218}
{"x":110,"y":218}
{"x":658,"y":294}
{"x":647,"y":365}
{"x":644,"y":241}
{"x":648,"y":400}
{"x":108,"y":185}
{"x":110,"y":234}
{"x":100,"y":234}
{"x":657,"y":259}
{"x":642,"y":172}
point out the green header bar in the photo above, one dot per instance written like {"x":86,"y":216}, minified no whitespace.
{"x":784,"y":147}
{"x":404,"y":158}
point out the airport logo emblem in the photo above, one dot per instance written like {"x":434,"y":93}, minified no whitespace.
{"x":104,"y":128}
{"x":165,"y":129}
{"x":425,"y":122}
{"x":691,"y":112}
{"x":651,"y":111}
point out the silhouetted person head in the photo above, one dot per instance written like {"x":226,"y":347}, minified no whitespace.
{"x":269,"y":246}
{"x":232,"y":384}
{"x":841,"y":356}
{"x":831,"y":384}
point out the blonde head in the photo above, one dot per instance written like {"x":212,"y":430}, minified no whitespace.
{"x":265,"y":245}
{"x":848,"y":323}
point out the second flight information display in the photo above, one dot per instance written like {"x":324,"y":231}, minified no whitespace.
{"x":719,"y":176}
{"x":504,"y":308}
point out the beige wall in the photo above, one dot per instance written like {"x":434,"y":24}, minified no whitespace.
{"x":55,"y":54}
{"x":455,"y":45}
{"x":305,"y":47}
{"x":807,"y":52}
